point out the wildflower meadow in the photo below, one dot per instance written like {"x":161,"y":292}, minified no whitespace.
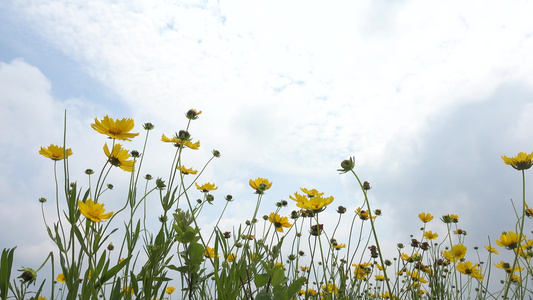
{"x":104,"y":254}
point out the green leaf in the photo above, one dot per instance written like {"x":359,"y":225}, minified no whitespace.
{"x":6,"y":263}
{"x":261,"y":280}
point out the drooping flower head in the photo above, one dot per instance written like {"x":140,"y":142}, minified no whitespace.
{"x":94,"y":211}
{"x":522,"y":161}
{"x":118,"y":157}
{"x":260,"y":185}
{"x":55,"y":152}
{"x":119,"y":129}
{"x":316,"y":203}
{"x":205,"y":188}
{"x":491,"y":249}
{"x":61,"y":278}
{"x":457,"y":252}
{"x":279,"y":221}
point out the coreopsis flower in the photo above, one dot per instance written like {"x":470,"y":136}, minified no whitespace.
{"x":312,"y":192}
{"x":456,"y":253}
{"x":425,"y":217}
{"x":311,"y":292}
{"x":209,"y":252}
{"x":170,"y":289}
{"x":363,"y":214}
{"x":118,"y":157}
{"x":509,"y":240}
{"x":429,"y":235}
{"x":491,"y":249}
{"x":414,"y":258}
{"x":522,"y":161}
{"x":450,"y":218}
{"x":507,"y":267}
{"x":338,"y":246}
{"x":260,"y":184}
{"x":362,"y":270}
{"x":205,"y":188}
{"x":330,"y":288}
{"x":192,"y":114}
{"x":119,"y":129}
{"x":379,"y":277}
{"x":279,"y":221}
{"x":416,"y":277}
{"x":94,"y":211}
{"x":61,"y":278}
{"x":231,"y":257}
{"x":178,"y":142}
{"x":315,"y":203}
{"x":128,"y":290}
{"x":305,"y":268}
{"x":55,"y":152}
{"x":186,"y":171}
{"x":470,"y":269}
{"x":529,"y":212}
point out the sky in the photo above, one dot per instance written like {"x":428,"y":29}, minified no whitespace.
{"x":426,"y":95}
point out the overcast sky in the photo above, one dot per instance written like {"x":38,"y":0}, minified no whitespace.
{"x":427,"y":95}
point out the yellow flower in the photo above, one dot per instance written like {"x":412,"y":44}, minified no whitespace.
{"x":470,"y":269}
{"x":316,"y":203}
{"x":209,"y":252}
{"x":456,"y":253}
{"x":491,"y":249}
{"x":305,"y":269}
{"x":119,"y":129}
{"x":450,"y":218}
{"x":41,"y":298}
{"x":94,"y":211}
{"x":362,"y":270}
{"x":206,"y":187}
{"x":522,"y":161}
{"x":231,"y":257}
{"x":311,"y":193}
{"x":118,"y":157}
{"x":363,"y":214}
{"x":55,"y":152}
{"x":330,"y":288}
{"x":186,"y":171}
{"x":425,"y":217}
{"x":415,"y":276}
{"x":177,"y":142}
{"x":281,"y":265}
{"x":507,"y":267}
{"x":128,"y":290}
{"x":61,"y":278}
{"x":509,"y":240}
{"x":260,"y":184}
{"x":169,"y":290}
{"x":529,"y":212}
{"x":429,"y":235}
{"x":338,"y":246}
{"x":279,"y":221}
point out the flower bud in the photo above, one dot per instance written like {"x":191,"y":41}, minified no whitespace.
{"x":227,"y":234}
{"x":148,"y":126}
{"x":184,"y":135}
{"x":89,"y":171}
{"x":135,"y":153}
{"x":110,"y":247}
{"x":110,"y":186}
{"x":229,"y":198}
{"x":210,"y":198}
{"x":160,"y":184}
{"x":42,"y":200}
{"x":366,"y":186}
{"x":341,"y":209}
{"x":148,"y":177}
{"x":216,"y":153}
{"x":347,"y":165}
{"x":192,"y":114}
